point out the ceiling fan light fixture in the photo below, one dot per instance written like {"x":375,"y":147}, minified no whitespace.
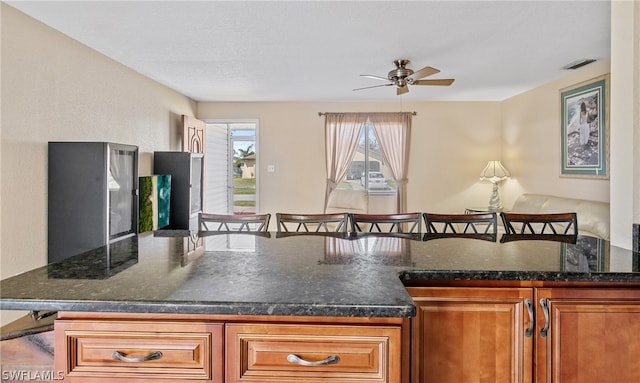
{"x":578,"y":63}
{"x":402,"y":77}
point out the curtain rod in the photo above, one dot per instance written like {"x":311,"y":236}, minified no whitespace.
{"x":325,"y":113}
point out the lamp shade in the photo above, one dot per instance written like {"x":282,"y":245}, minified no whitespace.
{"x":494,"y":172}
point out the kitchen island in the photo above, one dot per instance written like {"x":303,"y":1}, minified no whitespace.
{"x":299,"y":275}
{"x":238,"y":306}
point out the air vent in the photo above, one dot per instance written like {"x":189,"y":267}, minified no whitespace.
{"x":578,"y":64}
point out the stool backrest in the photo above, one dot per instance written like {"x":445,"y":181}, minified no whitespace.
{"x":477,"y":226}
{"x":312,"y":223}
{"x":386,"y":223}
{"x":527,"y":226}
{"x":234,"y":222}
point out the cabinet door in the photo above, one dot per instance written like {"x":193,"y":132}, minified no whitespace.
{"x":593,"y":336}
{"x":122,"y":182}
{"x":193,"y":135}
{"x":471,"y":335}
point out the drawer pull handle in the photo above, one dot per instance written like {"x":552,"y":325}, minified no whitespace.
{"x":333,"y":359}
{"x":544,"y":303}
{"x":529,"y":331}
{"x":117,"y":355}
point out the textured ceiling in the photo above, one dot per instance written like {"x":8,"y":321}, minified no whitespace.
{"x":317,"y":50}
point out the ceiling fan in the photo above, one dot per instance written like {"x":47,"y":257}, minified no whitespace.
{"x":402,"y":76}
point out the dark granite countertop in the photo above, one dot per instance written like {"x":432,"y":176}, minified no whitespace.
{"x":243,"y":274}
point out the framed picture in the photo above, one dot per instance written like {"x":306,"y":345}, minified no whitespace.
{"x":585,"y":129}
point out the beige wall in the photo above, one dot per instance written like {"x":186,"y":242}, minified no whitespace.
{"x":451,"y":143}
{"x":625,"y":105}
{"x":54,"y":88}
{"x":531,"y":134}
{"x":635,"y":53}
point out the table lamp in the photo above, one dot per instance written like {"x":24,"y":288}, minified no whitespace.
{"x":494,"y":172}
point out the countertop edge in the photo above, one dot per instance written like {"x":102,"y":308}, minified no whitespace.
{"x":594,"y":278}
{"x":217,"y":308}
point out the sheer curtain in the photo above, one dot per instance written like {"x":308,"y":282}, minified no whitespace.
{"x":342,"y":131}
{"x":394,"y":135}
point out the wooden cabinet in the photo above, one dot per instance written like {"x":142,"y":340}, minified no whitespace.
{"x":139,"y":351}
{"x":573,"y":335}
{"x":294,"y":353}
{"x":459,"y":334}
{"x":593,"y":336}
{"x":471,"y":335}
{"x":136,"y":348}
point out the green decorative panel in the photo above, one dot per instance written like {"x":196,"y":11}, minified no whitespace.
{"x":155,"y":196}
{"x":163,"y":187}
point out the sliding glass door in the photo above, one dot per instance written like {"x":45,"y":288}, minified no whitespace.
{"x":231,"y":167}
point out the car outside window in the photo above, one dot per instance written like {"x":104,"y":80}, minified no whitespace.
{"x":368,"y":170}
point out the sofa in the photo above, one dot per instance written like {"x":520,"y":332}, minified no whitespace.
{"x":347,"y":201}
{"x":593,"y":216}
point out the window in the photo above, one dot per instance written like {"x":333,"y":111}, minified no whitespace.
{"x":368,"y":169}
{"x":378,"y":140}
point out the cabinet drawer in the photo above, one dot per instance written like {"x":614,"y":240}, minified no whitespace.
{"x":326,"y":353}
{"x":140,"y":350}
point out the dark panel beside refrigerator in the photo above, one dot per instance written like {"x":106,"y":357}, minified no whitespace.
{"x":92,"y":199}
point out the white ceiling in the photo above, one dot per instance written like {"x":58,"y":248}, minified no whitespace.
{"x":317,"y":50}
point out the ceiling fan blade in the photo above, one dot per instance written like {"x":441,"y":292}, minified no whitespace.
{"x":402,"y":90}
{"x":376,"y":77}
{"x":375,"y":86}
{"x":424,"y":72}
{"x":444,"y":82}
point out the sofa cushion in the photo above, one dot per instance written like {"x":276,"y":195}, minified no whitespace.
{"x":593,"y":216}
{"x":347,"y":201}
